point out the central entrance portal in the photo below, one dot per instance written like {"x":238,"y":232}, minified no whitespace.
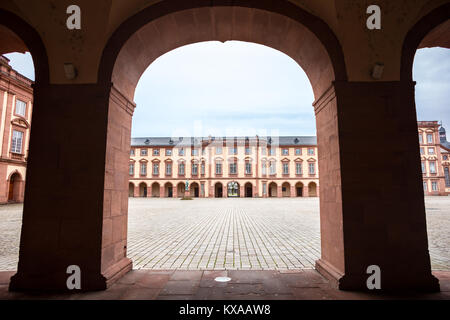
{"x":233,"y":189}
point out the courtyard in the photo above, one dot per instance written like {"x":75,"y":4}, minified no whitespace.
{"x":227,"y":234}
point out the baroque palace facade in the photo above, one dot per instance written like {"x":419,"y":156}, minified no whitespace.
{"x":224,"y":167}
{"x":16,"y":102}
{"x":256,"y":166}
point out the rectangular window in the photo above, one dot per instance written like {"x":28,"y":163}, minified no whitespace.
{"x":168,"y":152}
{"x":434,"y":186}
{"x":203,"y":151}
{"x":423,"y":167}
{"x":447,"y":176}
{"x":143,"y":169}
{"x":432,"y":167}
{"x":132,"y":152}
{"x":203,"y":169}
{"x":420,"y":138}
{"x":248,"y":150}
{"x":131,"y":169}
{"x":429,"y":138}
{"x":181,"y":152}
{"x":218,"y":168}
{"x":156,"y":152}
{"x":285,"y":152}
{"x":272,"y":151}
{"x":232,"y":150}
{"x":422,"y":151}
{"x":143,"y":152}
{"x":430,"y":150}
{"x":285,"y":168}
{"x":194,"y":169}
{"x":264,"y":151}
{"x":16,"y":143}
{"x":312,"y":168}
{"x":233,"y":168}
{"x":248,"y":168}
{"x":194,"y":152}
{"x":264,"y":188}
{"x":181,"y":169}
{"x":156,"y":169}
{"x":298,"y":152}
{"x":298,"y":168}
{"x":311,"y":151}
{"x":168,"y":169}
{"x":425,"y":187}
{"x":21,"y":107}
{"x":264,"y":168}
{"x":218,"y":150}
{"x":272,"y":167}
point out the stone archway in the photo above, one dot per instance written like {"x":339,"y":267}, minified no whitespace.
{"x":312,"y":189}
{"x":233,"y":189}
{"x":286,"y":189}
{"x":15,"y":183}
{"x":273,"y":190}
{"x":143,"y":190}
{"x":299,"y":189}
{"x":168,"y":190}
{"x":346,"y":187}
{"x":248,"y":189}
{"x":218,"y":190}
{"x":156,"y":190}
{"x":131,"y":190}
{"x":194,"y":190}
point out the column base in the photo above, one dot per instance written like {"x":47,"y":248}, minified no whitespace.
{"x":425,"y":282}
{"x":56,"y":282}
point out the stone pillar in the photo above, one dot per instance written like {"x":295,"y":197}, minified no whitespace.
{"x":162,"y":192}
{"x":136,"y":192}
{"x":76,"y":195}
{"x":149,"y":191}
{"x":241,"y":191}
{"x":293,"y":192}
{"x":174,"y":192}
{"x":372,"y":211}
{"x":279,"y":192}
{"x":305,"y":191}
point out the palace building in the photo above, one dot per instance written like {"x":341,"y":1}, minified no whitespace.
{"x":224,"y":167}
{"x":435,"y":158}
{"x":256,"y":166}
{"x":16,"y":101}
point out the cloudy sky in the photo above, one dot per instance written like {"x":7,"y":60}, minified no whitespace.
{"x":238,"y":88}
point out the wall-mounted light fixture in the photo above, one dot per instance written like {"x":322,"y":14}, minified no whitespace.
{"x":70,"y":71}
{"x":377,"y":71}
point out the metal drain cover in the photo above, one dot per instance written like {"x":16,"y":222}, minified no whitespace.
{"x":222,"y":279}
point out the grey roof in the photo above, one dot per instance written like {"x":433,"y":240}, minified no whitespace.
{"x":189,"y":141}
{"x":446,"y":145}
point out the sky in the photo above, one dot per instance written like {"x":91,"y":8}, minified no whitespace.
{"x":239,"y":88}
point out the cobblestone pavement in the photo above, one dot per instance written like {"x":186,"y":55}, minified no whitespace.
{"x":231,"y":234}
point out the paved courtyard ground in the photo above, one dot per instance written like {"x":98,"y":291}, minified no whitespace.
{"x":231,"y":234}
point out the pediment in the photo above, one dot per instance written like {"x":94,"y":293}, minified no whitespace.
{"x":20,"y":122}
{"x":312,"y":160}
